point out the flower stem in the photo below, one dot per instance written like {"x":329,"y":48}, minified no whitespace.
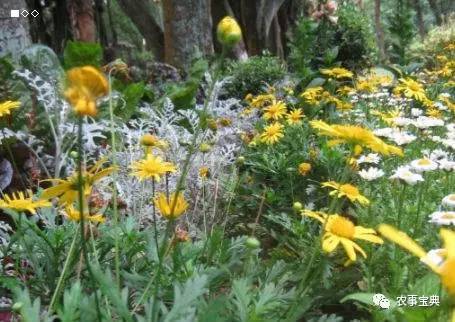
{"x":61,"y":279}
{"x":80,"y":187}
{"x":114,"y":189}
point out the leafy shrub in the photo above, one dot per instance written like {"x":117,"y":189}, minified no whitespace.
{"x":354,"y":36}
{"x":401,"y":28}
{"x":435,"y":41}
{"x":250,"y":76}
{"x":316,"y":44}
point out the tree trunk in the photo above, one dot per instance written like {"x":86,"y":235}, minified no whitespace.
{"x":62,"y":26}
{"x":379,"y":31}
{"x":140,"y":13}
{"x":436,"y":12}
{"x":187,"y":30}
{"x":101,"y":26}
{"x":419,"y":15}
{"x":14,"y":32}
{"x":82,"y":17}
{"x":248,"y":22}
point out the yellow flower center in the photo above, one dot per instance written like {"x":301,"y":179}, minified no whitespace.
{"x":349,"y":190}
{"x":452,"y":197}
{"x":342,"y":227}
{"x":448,"y":276}
{"x":424,"y":162}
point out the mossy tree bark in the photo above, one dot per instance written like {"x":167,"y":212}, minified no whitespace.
{"x":187,"y":31}
{"x":142,"y":15}
{"x":14,"y":32}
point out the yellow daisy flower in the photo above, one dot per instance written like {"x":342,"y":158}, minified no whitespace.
{"x":75,"y":215}
{"x":7,"y":107}
{"x":272,"y":133}
{"x":152,"y":167}
{"x":313,"y":95}
{"x":171,"y":208}
{"x":85,"y":85}
{"x":21,"y":202}
{"x":260,"y":101}
{"x":295,"y":116}
{"x":411,"y":89}
{"x":204,"y":172}
{"x":356,"y":136}
{"x":275,"y":111}
{"x":337,"y":72}
{"x":150,"y":140}
{"x":346,"y":190}
{"x":68,"y":190}
{"x":341,"y":230}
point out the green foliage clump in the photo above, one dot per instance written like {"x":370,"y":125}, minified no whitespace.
{"x":250,"y":76}
{"x":355,"y":36}
{"x":80,"y":54}
{"x":315,"y":44}
{"x":401,"y":29}
{"x":435,"y":42}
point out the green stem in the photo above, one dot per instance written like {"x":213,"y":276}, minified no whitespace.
{"x":422,"y":192}
{"x":61,"y":279}
{"x":400,"y":205}
{"x":114,"y":189}
{"x":80,"y":187}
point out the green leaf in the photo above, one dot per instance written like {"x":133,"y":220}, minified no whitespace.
{"x":184,"y":308}
{"x":365,"y":298}
{"x":71,"y":301}
{"x":132,"y":94}
{"x":81,"y":53}
{"x":110,"y":289}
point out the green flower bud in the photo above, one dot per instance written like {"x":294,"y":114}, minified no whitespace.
{"x":252,"y":243}
{"x":297,"y":206}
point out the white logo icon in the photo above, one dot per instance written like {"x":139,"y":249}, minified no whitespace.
{"x":34,"y":13}
{"x":24,"y":13}
{"x":381,"y":301}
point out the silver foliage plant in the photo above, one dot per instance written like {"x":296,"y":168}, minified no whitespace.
{"x":164,"y":122}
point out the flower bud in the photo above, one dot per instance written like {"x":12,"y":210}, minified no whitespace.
{"x":228,"y":32}
{"x":252,"y":243}
{"x":205,"y":148}
{"x":17,"y":306}
{"x":304,"y":168}
{"x":297,"y":206}
{"x":240,"y":160}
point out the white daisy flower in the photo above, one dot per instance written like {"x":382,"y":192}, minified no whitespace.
{"x":446,"y":165}
{"x":438,"y":154}
{"x":449,"y":201}
{"x":423,"y":165}
{"x":369,"y":158}
{"x":416,"y":112}
{"x":443,"y":218}
{"x":371,"y":174}
{"x":424,"y":122}
{"x":402,"y":121}
{"x":384,"y":132}
{"x":402,"y":138}
{"x":404,"y":174}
